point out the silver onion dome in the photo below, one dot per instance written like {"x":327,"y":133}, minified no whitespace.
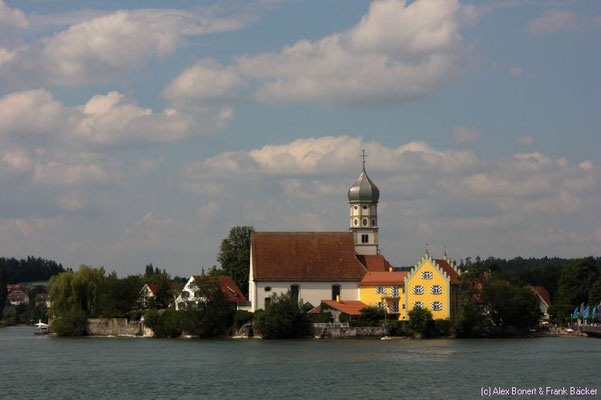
{"x":364,"y":190}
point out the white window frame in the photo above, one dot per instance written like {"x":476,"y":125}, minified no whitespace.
{"x":418,"y":290}
{"x":418,"y":304}
{"x":436,"y":306}
{"x":381,"y":290}
{"x":427,"y":275}
{"x":436,"y":289}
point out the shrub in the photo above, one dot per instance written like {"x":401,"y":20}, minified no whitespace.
{"x":282,"y":319}
{"x":397,"y":328}
{"x":370,"y":316}
{"x":152,"y":320}
{"x":442,"y":327}
{"x":241,"y":317}
{"x":322,"y":317}
{"x":171,"y":322}
{"x":420,"y":322}
{"x":135,"y":315}
{"x":72,"y":323}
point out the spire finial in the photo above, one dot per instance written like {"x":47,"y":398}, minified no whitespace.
{"x":445,"y":251}
{"x":363,"y":156}
{"x":427,"y":252}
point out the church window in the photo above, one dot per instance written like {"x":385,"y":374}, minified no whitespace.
{"x":418,"y":304}
{"x":294,"y":289}
{"x":380,"y":290}
{"x":364,"y":221}
{"x":436,"y":306}
{"x":426,"y":274}
{"x":436,"y":289}
{"x":418,"y":289}
{"x":356,"y":222}
{"x":364,"y":238}
{"x":393,"y":307}
{"x":335,"y":291}
{"x":365,"y":207}
{"x":373,"y":222}
{"x":267,"y":288}
{"x":355,"y":207}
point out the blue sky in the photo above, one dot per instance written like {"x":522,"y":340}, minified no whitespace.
{"x":136,"y":135}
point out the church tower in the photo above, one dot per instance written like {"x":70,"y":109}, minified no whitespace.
{"x":363,"y":198}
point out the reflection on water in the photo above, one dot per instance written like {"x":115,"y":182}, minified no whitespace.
{"x":36,"y":367}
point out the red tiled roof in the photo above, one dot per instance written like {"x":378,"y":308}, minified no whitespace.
{"x":305,"y":256}
{"x":153,"y":287}
{"x":374,"y":262}
{"x":383,"y":278}
{"x":350,"y":307}
{"x":446,"y":267}
{"x":228,"y":287}
{"x":543,"y":293}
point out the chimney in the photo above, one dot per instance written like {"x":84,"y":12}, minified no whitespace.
{"x":337,"y":298}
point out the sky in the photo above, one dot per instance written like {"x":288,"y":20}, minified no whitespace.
{"x":141,"y":135}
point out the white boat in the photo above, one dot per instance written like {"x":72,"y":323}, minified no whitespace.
{"x":41,"y":328}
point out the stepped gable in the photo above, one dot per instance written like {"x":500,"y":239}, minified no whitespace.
{"x":446,"y":267}
{"x":374,"y":262}
{"x":305,"y":256}
{"x":383,"y":278}
{"x":543,"y":293}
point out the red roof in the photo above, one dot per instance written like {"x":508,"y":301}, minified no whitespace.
{"x":375,"y":262}
{"x":153,"y":287}
{"x":383,"y":278}
{"x":350,"y":307}
{"x":228,"y":287}
{"x":305,"y":256}
{"x":14,"y":287}
{"x":446,"y":267}
{"x":543,"y":293}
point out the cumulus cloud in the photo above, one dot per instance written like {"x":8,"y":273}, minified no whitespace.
{"x":465,"y":134}
{"x":103,"y":46}
{"x":36,"y":118}
{"x":12,"y":17}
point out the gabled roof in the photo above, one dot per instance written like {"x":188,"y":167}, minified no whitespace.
{"x":350,"y":307}
{"x":153,"y":287}
{"x":305,"y":256}
{"x":446,"y":267}
{"x":383,"y":278}
{"x":543,"y":294}
{"x":17,"y":295}
{"x":374,"y":262}
{"x":228,"y":287}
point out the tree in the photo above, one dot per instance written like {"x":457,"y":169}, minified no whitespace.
{"x":119,"y":295}
{"x":594,"y":296}
{"x":282,"y":319}
{"x":511,"y":305}
{"x":420,"y":322}
{"x":77,"y":291}
{"x":3,"y":291}
{"x":370,"y":316}
{"x":234,"y":255}
{"x":214,"y":315}
{"x":576,"y":281}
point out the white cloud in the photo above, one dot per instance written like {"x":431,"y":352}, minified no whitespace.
{"x":16,"y":160}
{"x":34,"y":116}
{"x":465,"y":134}
{"x":524,"y":140}
{"x":396,"y":52}
{"x":99,"y":48}
{"x":204,"y":81}
{"x":12,"y":17}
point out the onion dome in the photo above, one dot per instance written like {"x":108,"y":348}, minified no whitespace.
{"x":364,"y":190}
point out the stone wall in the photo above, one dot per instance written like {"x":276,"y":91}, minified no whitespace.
{"x":342,"y":332}
{"x":114,"y":327}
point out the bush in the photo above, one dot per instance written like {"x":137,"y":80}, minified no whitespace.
{"x":420,"y":322}
{"x":370,"y":316}
{"x":152,"y":320}
{"x":397,"y":328}
{"x":135,"y":315}
{"x":241,"y":317}
{"x":72,"y":323}
{"x":171,"y":322}
{"x":321,"y":318}
{"x":442,"y":327}
{"x":282,"y":319}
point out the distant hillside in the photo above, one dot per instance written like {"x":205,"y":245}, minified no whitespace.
{"x":31,"y":269}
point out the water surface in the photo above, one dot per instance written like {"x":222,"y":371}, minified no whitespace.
{"x":118,"y":368}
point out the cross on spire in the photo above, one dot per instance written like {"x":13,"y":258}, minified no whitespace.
{"x":363,"y":156}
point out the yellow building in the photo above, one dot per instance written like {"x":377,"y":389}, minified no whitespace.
{"x":433,"y":284}
{"x":384,"y":289}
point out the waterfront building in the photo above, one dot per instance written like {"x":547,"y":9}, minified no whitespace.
{"x":18,"y":298}
{"x":385,"y":289}
{"x":433,"y":284}
{"x":149,"y":290}
{"x":544,"y":300}
{"x":192,"y":293}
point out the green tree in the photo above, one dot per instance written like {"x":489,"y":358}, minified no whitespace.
{"x":511,"y":305}
{"x":214,"y":315}
{"x":77,"y":291}
{"x":282,"y":319}
{"x":71,"y":323}
{"x":163,"y":296}
{"x":594,"y":296}
{"x":370,"y":316}
{"x":420,"y":322}
{"x":234,"y":255}
{"x":3,"y":291}
{"x":576,"y":281}
{"x":119,"y":295}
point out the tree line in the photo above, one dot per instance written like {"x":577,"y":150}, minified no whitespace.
{"x":31,"y":269}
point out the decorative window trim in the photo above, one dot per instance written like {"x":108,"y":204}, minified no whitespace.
{"x":418,"y":304}
{"x":393,"y":307}
{"x":379,"y":304}
{"x":381,"y":290}
{"x":436,"y":306}
{"x":418,"y":289}
{"x":427,"y":274}
{"x":436,"y":289}
{"x":395,"y":291}
{"x":364,"y":221}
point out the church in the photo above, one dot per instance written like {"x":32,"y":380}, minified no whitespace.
{"x":345,"y":270}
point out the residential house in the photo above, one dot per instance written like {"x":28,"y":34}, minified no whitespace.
{"x":192,"y":293}
{"x":544,"y":300}
{"x":18,"y":298}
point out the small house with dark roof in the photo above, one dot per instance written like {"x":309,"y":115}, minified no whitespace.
{"x":18,"y":298}
{"x":544,"y":300}
{"x":192,"y":293}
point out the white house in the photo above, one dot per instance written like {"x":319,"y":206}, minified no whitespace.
{"x":191,"y":293}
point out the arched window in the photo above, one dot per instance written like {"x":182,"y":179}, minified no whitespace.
{"x":356,"y":222}
{"x":373,"y":222}
{"x":364,"y":221}
{"x":364,"y":238}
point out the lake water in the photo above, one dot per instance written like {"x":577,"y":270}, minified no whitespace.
{"x":34,"y":367}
